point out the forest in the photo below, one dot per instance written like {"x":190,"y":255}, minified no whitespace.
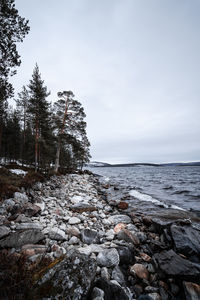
{"x":45,"y":135}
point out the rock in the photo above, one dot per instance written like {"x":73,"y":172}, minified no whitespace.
{"x":112,"y":290}
{"x":115,"y":219}
{"x":145,"y":257}
{"x":89,"y":236}
{"x":57,"y":234}
{"x":21,"y":198}
{"x":74,"y":220}
{"x":125,"y":255}
{"x":186,"y":239}
{"x":4,"y":231}
{"x":110,"y":234}
{"x":154,"y":296}
{"x":105,"y":274}
{"x":24,"y":226}
{"x":90,"y":249}
{"x":73,"y":231}
{"x":108,"y":258}
{"x":8,"y":203}
{"x":97,"y":294}
{"x":82,"y":207}
{"x":192,"y":290}
{"x":74,"y":240}
{"x":23,"y":219}
{"x":173,"y":264}
{"x":70,"y":278}
{"x":31,"y":210}
{"x":18,"y":239}
{"x":144,"y":297}
{"x":123,"y":205}
{"x":37,"y":248}
{"x":147,"y":220}
{"x":118,"y":275}
{"x":119,"y":227}
{"x":41,"y":205}
{"x":140,"y":271}
{"x":128,"y":236}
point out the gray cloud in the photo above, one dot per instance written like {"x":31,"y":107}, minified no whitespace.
{"x":135,"y":66}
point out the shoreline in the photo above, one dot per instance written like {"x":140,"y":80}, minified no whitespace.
{"x":104,"y":251}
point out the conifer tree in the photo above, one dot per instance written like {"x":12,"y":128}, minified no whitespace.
{"x":22,"y":108}
{"x":70,"y":125}
{"x":38,"y":109}
{"x":13,"y":29}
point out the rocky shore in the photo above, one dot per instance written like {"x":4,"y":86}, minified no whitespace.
{"x":77,"y":243}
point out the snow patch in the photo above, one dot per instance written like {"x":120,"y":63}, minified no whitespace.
{"x":18,"y":171}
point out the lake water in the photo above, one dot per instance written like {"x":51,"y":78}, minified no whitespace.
{"x":175,"y":187}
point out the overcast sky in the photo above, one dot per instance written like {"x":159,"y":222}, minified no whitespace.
{"x":133,"y":64}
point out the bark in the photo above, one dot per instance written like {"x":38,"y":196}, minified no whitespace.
{"x":36,"y":146}
{"x":57,"y":156}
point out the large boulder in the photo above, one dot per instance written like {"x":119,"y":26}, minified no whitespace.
{"x":173,"y":264}
{"x":69,"y":279}
{"x":20,"y":238}
{"x":186,"y":239}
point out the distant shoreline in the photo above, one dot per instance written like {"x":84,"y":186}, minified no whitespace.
{"x":189,"y":164}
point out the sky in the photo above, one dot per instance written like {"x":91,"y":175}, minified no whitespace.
{"x":133,"y":64}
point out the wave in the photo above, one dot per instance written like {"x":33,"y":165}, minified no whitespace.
{"x":168,"y":187}
{"x":148,"y":198}
{"x":181,"y":192}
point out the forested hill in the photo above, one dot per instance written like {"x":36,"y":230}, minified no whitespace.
{"x":100,"y":164}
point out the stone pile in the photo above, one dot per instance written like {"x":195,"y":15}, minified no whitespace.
{"x":97,"y":250}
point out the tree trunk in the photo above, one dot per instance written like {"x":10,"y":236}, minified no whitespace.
{"x":57,"y":156}
{"x":36,"y":146}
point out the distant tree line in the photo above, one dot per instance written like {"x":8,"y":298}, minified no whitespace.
{"x":36,"y":132}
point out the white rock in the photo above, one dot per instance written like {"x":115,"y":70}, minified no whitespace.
{"x":74,"y":240}
{"x":74,"y":220}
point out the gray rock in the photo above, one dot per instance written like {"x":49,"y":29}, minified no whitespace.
{"x":108,"y":258}
{"x":93,"y":248}
{"x":128,"y":236}
{"x":97,"y":294}
{"x":154,"y":296}
{"x":173,"y":264}
{"x":192,"y":290}
{"x":9,"y":203}
{"x":74,"y":240}
{"x":82,"y":207}
{"x":24,"y":226}
{"x":105,"y":274}
{"x":4,"y":231}
{"x":69,"y":279}
{"x":126,"y":255}
{"x":118,"y":275}
{"x":115,"y":219}
{"x":186,"y":239}
{"x":21,"y":198}
{"x":57,"y":234}
{"x":18,"y":239}
{"x":112,"y":290}
{"x":74,"y":220}
{"x":89,"y":236}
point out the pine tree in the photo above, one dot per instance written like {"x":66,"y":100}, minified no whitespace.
{"x":38,"y":109}
{"x":22,"y":107}
{"x":13,"y":29}
{"x":70,"y":127}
